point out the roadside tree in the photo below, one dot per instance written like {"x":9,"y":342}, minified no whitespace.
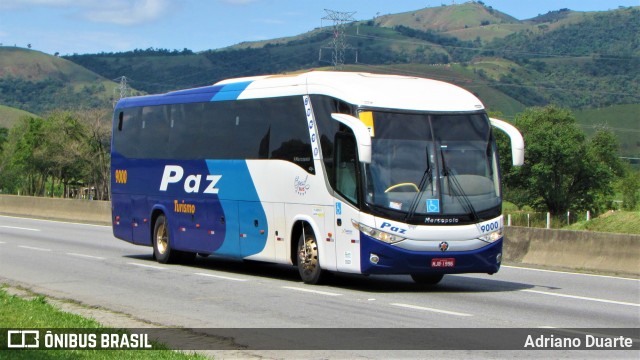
{"x":562,"y":170}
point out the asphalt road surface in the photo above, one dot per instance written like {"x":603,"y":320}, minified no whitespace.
{"x":87,"y":264}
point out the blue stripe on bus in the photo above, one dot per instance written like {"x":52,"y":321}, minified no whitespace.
{"x":231,"y":91}
{"x":236,"y":183}
{"x":207,"y":93}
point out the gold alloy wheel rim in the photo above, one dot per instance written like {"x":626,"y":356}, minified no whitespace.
{"x":309,"y":255}
{"x":161,"y":239}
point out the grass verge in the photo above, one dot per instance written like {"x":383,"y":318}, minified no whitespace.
{"x":623,"y":222}
{"x":18,"y":313}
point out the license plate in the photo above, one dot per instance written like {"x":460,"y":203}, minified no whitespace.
{"x":443,"y":262}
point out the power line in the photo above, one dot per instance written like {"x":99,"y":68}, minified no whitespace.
{"x":484,"y":49}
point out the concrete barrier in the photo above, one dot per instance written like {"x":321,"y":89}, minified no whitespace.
{"x":86,"y":211}
{"x":575,"y":250}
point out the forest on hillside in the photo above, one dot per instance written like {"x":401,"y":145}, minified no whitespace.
{"x":39,"y":97}
{"x":591,"y":63}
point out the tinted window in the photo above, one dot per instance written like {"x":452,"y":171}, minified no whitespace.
{"x":245,"y":129}
{"x":323,"y":107}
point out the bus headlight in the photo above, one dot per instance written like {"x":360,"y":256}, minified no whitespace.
{"x":377,"y":234}
{"x":493,"y":237}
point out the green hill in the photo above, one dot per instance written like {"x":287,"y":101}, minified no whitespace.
{"x":447,"y":18}
{"x":37,"y":66}
{"x":9,"y":116}
{"x":623,"y":120}
{"x":36,"y":82}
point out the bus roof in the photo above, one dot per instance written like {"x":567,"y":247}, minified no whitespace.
{"x":362,"y":89}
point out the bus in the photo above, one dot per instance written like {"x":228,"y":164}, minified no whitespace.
{"x":327,"y":171}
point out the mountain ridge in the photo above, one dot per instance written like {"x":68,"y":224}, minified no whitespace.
{"x":510,"y":64}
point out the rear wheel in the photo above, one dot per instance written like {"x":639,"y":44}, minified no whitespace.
{"x":428,"y":279}
{"x":162,"y":242}
{"x":308,"y":262}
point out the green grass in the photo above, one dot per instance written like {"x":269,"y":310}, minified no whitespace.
{"x":18,"y":313}
{"x":623,"y":222}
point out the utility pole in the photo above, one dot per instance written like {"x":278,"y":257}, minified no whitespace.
{"x":338,"y":42}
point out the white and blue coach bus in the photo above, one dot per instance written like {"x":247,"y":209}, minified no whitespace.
{"x":328,"y":171}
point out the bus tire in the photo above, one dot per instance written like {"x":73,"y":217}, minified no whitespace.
{"x":427,"y":279}
{"x":308,"y":261}
{"x":162,"y":242}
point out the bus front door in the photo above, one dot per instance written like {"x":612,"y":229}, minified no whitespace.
{"x":347,"y":237}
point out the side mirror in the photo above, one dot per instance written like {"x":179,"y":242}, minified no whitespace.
{"x":517,"y":142}
{"x":361,"y":132}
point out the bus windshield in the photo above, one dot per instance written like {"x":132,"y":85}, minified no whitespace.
{"x":436,"y":166}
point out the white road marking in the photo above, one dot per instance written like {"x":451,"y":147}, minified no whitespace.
{"x":86,"y":256}
{"x":2,"y":242}
{"x":53,"y":221}
{"x":33,"y":248}
{"x":220,"y":277}
{"x":18,"y":228}
{"x":581,"y":298}
{"x":311,"y":291}
{"x":569,"y":273}
{"x":415,"y":307}
{"x":146,"y":266}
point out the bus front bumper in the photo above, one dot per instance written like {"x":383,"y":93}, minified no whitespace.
{"x":377,"y":257}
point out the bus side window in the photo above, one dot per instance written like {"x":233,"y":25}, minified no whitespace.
{"x":346,"y":166}
{"x":127,"y":138}
{"x":120,"y":118}
{"x":288,"y":135}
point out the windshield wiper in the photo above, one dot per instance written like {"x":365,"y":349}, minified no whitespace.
{"x":457,"y":190}
{"x":426,"y":176}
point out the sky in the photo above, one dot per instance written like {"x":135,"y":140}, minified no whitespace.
{"x":92,"y":26}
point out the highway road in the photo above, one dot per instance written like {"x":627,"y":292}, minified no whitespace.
{"x":87,"y":264}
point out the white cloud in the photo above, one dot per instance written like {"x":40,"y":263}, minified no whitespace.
{"x":120,"y":12}
{"x":127,"y":12}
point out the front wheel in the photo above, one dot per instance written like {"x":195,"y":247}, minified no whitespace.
{"x":308,"y":262}
{"x":427,"y":279}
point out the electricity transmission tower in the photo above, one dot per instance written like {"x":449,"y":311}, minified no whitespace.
{"x":338,"y":42}
{"x":122,"y":87}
